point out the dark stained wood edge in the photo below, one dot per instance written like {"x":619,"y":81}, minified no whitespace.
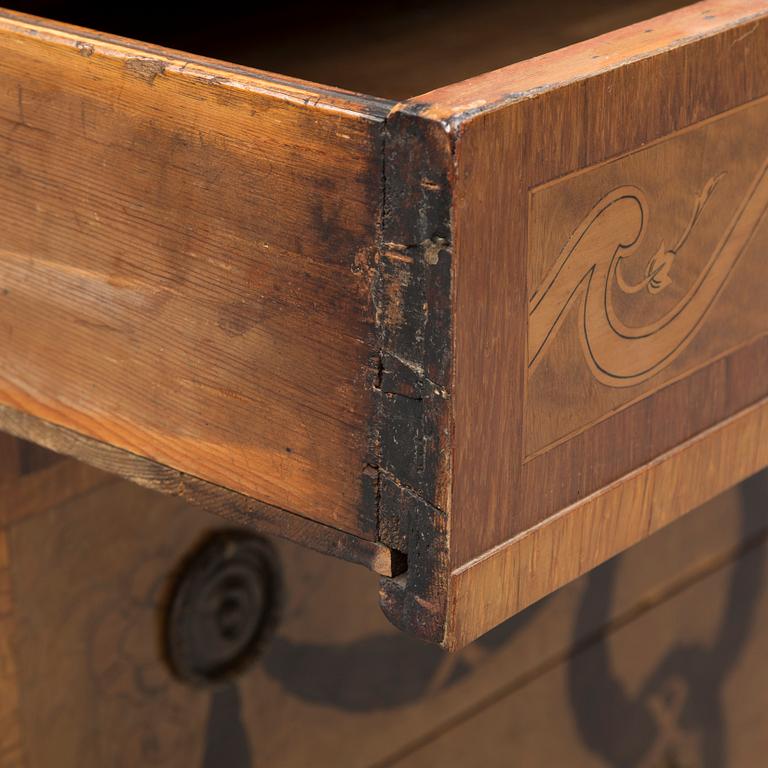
{"x":454,"y":104}
{"x":411,"y":439}
{"x":280,"y":86}
{"x":227,"y":504}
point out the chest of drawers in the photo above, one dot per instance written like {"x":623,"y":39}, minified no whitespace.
{"x":479,"y":339}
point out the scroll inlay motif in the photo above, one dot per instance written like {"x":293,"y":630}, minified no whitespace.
{"x":638,"y":268}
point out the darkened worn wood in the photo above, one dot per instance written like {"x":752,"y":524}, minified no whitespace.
{"x":184,"y":264}
{"x":10,"y":458}
{"x":228,"y":504}
{"x":414,"y":320}
{"x":12,"y":752}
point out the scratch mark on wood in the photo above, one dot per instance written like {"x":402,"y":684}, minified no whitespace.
{"x":745,"y":34}
{"x":20,"y":100}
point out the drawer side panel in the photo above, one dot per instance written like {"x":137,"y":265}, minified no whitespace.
{"x":184,"y":260}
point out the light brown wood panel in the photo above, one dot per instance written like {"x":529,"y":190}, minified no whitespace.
{"x":661,"y":275}
{"x":184,"y":256}
{"x":96,"y":690}
{"x":39,"y":491}
{"x":688,"y":406}
{"x":33,"y":479}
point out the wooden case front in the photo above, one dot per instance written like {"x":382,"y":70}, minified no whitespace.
{"x":610,"y":239}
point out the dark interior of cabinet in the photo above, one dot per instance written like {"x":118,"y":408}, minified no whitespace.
{"x":394,"y":50}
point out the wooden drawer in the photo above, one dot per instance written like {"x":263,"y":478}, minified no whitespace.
{"x":480,"y":339}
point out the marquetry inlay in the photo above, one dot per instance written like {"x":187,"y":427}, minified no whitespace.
{"x":644,"y":268}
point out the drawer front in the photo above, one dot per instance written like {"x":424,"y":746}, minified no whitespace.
{"x":609,"y":218}
{"x":635,"y":236}
{"x":184,"y":257}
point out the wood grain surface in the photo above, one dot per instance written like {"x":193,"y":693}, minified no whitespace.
{"x":563,"y":547}
{"x":523,"y":308}
{"x":575,"y":123}
{"x":617,"y":48}
{"x":29,"y":496}
{"x":413,"y":48}
{"x":33,"y":479}
{"x":681,"y":685}
{"x":184,"y":258}
{"x":603,"y":654}
{"x":665,"y":272}
{"x":605,"y":292}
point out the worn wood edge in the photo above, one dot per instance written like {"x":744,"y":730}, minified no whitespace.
{"x":156,"y":59}
{"x":456,"y":103}
{"x":411,"y":438}
{"x":505,"y":580}
{"x":230,"y":505}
